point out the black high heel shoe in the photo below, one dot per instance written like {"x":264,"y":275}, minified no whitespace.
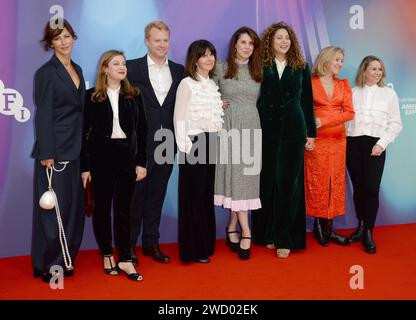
{"x":244,"y":254}
{"x":319,"y":232}
{"x":234,"y":246}
{"x":135,"y":276}
{"x":112,"y":271}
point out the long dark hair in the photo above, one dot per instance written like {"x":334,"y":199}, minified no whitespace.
{"x":255,"y":63}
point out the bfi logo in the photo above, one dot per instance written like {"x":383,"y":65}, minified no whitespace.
{"x":11,"y":104}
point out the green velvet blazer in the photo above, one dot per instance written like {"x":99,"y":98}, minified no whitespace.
{"x":286,"y":105}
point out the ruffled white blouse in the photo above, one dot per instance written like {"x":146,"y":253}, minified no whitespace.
{"x":198,"y":109}
{"x":377,"y":114}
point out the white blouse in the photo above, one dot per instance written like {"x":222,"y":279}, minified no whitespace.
{"x":377,"y":114}
{"x":117,"y":133}
{"x":280,"y":67}
{"x":198,"y":109}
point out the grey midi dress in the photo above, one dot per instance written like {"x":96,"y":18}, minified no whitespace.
{"x":237,"y":174}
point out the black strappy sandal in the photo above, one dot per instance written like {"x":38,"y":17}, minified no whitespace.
{"x":112,"y":271}
{"x":135,"y":276}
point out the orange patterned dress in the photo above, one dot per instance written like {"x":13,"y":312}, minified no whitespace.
{"x":325,"y":165}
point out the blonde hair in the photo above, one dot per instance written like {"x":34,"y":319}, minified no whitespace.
{"x":294,"y":56}
{"x":100,"y":92}
{"x":320,"y":68}
{"x":158,"y":24}
{"x":360,"y":78}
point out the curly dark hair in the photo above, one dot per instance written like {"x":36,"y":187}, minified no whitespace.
{"x":294,"y":56}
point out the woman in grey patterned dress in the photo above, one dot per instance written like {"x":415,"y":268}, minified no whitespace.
{"x":239,"y":158}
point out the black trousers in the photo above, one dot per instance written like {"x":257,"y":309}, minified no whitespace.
{"x":112,"y":177}
{"x":365,"y":172}
{"x":147,"y":203}
{"x":196,"y":217}
{"x":46,"y":249}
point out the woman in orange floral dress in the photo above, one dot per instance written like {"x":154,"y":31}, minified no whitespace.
{"x":325,"y":164}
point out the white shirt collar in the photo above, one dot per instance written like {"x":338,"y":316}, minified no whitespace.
{"x":373,"y":87}
{"x":281,"y":64}
{"x":150,"y":62}
{"x":114,"y":91}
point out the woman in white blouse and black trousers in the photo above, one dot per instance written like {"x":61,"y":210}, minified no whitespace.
{"x":197,"y":119}
{"x":376,"y":124}
{"x":113,"y":157}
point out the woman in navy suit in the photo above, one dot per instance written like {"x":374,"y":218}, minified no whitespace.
{"x":114,"y":157}
{"x":59,"y":92}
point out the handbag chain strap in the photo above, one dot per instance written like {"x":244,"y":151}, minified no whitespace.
{"x":62,"y":237}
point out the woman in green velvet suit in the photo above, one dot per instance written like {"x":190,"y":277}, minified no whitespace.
{"x":286,"y":113}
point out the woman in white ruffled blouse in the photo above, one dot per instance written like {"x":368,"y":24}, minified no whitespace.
{"x":197,"y":119}
{"x":376,"y":124}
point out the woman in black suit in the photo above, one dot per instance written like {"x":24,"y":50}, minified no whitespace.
{"x":113,"y":157}
{"x":59,"y":92}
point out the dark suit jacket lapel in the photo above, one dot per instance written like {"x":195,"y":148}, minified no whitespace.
{"x":123,"y":112}
{"x":175,"y":78}
{"x":276,"y":80}
{"x":66,"y":78}
{"x":144,"y":68}
{"x":109,"y":112}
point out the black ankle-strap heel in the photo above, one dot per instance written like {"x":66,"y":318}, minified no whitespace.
{"x":134,"y":276}
{"x":234,"y":246}
{"x":112,"y":271}
{"x":244,"y":254}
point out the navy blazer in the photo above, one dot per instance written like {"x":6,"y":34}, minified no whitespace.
{"x":157,"y":116}
{"x":59,"y":112}
{"x":98,"y":127}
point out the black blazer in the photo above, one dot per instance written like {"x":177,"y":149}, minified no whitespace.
{"x":59,"y":112}
{"x":157,"y":116}
{"x":98,"y":126}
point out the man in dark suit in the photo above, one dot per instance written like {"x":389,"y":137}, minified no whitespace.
{"x":158,"y":79}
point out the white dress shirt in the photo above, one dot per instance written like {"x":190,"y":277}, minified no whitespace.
{"x":160,"y":78}
{"x":198,"y":109}
{"x":117,"y":133}
{"x":377,"y":114}
{"x":280,"y":67}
